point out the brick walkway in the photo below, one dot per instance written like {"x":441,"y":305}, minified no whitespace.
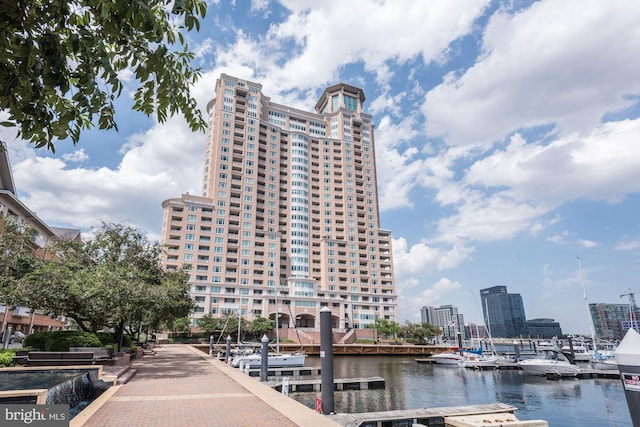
{"x":180,"y":386}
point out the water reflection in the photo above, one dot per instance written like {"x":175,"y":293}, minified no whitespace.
{"x":413,"y":385}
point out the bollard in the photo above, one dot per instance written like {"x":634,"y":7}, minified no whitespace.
{"x":326,"y":358}
{"x":264,"y":358}
{"x":7,"y":336}
{"x":228,"y":353}
{"x":571,"y":351}
{"x":211,"y":345}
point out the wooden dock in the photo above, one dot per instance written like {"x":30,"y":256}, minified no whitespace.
{"x":339,"y":384}
{"x":291,"y":372}
{"x":351,"y":349}
{"x":422,"y":416}
{"x":584,"y":373}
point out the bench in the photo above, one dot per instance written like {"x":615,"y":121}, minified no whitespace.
{"x":99,"y":353}
{"x":21,"y":357}
{"x":59,"y":358}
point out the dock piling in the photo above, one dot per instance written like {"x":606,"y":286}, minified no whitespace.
{"x":326,"y":357}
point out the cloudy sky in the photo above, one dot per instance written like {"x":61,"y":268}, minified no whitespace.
{"x":507,"y":140}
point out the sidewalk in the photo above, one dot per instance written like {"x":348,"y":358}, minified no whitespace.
{"x":181,"y":386}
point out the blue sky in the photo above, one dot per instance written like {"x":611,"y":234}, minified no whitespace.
{"x":507,"y":137}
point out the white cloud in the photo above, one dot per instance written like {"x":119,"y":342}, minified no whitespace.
{"x":422,"y":260}
{"x":539,"y":68}
{"x":484,"y":217}
{"x":587,"y":243}
{"x":316,"y":39}
{"x":161,"y":163}
{"x":439,"y":291}
{"x":77,"y":156}
{"x":514,"y":190}
{"x":601,"y":165}
{"x":628,"y":246}
{"x":559,"y":238}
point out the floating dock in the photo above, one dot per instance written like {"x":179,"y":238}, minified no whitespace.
{"x":584,"y":373}
{"x":436,"y":417}
{"x":282,"y":372}
{"x":339,"y":384}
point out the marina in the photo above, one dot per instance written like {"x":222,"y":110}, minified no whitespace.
{"x":369,"y":391}
{"x":411,"y":386}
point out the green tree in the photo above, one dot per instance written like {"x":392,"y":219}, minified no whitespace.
{"x":17,"y":258}
{"x":113,"y":281}
{"x":419,"y":332}
{"x":209,"y":324}
{"x":62,"y":63}
{"x":260,"y":326}
{"x":387,"y":328}
{"x":229,"y":322}
{"x":180,"y":326}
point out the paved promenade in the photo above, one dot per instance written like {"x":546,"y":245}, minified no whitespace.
{"x":180,"y":386}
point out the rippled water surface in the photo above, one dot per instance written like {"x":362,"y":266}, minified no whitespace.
{"x":410,"y":385}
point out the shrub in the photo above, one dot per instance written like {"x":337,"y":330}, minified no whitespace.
{"x":37,"y":342}
{"x":6,"y":358}
{"x":108,"y":339}
{"x":61,"y":340}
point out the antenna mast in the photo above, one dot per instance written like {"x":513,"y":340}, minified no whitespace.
{"x":633,"y":309}
{"x":584,"y":290}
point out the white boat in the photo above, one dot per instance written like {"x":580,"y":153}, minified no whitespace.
{"x":456,"y":358}
{"x":549,"y":362}
{"x":477,"y":359}
{"x":447,"y":358}
{"x":605,"y":365}
{"x":274,"y":360}
{"x":546,"y":345}
{"x":479,"y":362}
{"x":603,"y":362}
{"x":581,"y":353}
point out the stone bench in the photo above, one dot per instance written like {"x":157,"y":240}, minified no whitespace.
{"x":99,"y":353}
{"x":59,"y":358}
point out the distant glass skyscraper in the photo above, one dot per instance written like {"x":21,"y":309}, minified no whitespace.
{"x":544,"y":328}
{"x":503,"y":313}
{"x":288,"y":221}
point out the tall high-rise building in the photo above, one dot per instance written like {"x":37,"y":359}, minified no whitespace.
{"x":503,"y":312}
{"x":288,"y":220}
{"x":447,"y":318}
{"x":610,"y":321}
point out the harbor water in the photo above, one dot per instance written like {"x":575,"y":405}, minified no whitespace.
{"x":411,"y":385}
